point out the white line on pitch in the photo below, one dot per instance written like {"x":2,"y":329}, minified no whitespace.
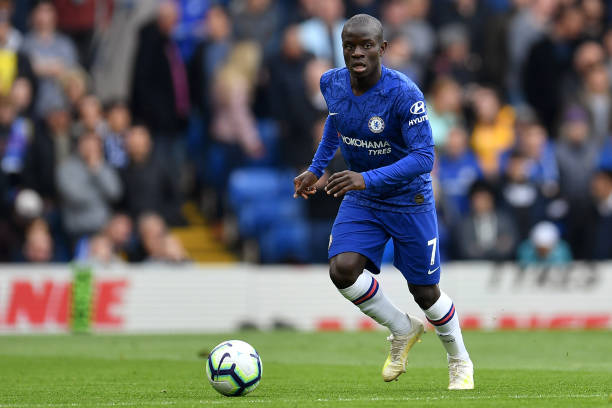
{"x":270,"y":401}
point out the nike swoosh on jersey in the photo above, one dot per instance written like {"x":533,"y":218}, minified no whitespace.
{"x":429,"y":272}
{"x":333,"y":113}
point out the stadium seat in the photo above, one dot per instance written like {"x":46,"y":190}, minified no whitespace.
{"x":256,"y":217}
{"x":285,"y":242}
{"x":262,"y":199}
{"x":251,"y":184}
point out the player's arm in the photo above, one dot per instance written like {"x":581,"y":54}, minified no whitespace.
{"x":304,"y":183}
{"x":417,"y":135}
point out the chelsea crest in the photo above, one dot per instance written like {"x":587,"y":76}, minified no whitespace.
{"x":376,"y":124}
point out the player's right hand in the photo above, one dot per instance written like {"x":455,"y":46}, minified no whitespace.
{"x":304,"y":185}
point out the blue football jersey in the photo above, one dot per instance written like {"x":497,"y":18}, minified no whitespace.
{"x":383,"y":134}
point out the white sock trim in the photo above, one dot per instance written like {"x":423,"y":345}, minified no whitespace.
{"x":359,"y":288}
{"x":366,"y":294}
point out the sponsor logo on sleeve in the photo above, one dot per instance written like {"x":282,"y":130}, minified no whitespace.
{"x":418,"y":108}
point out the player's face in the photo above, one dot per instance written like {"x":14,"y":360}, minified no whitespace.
{"x":363,"y":50}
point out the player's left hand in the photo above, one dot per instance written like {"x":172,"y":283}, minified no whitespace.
{"x":341,"y":182}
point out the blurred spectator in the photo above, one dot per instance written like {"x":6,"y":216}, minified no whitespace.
{"x":599,"y":218}
{"x":493,"y":131}
{"x":287,"y":98}
{"x":118,"y":42}
{"x":576,"y":155}
{"x":458,"y":169}
{"x":257,"y":20}
{"x":50,"y":52}
{"x":312,"y":109}
{"x":101,"y":251}
{"x":394,"y":14}
{"x":455,"y":58}
{"x":38,"y":246}
{"x":119,"y":232}
{"x":587,"y":56}
{"x":88,"y":186}
{"x":298,"y":11}
{"x":234,"y":136}
{"x":596,"y":98}
{"x":522,"y":197}
{"x":472,"y":14}
{"x":90,"y":116}
{"x":118,"y":121}
{"x":494,"y":56}
{"x":209,"y":56}
{"x":233,"y":122}
{"x":444,"y":109}
{"x":533,"y":144}
{"x":487,"y":232}
{"x":398,"y":56}
{"x":151,"y":233}
{"x":173,"y":250}
{"x":158,"y":245}
{"x":19,"y":212}
{"x":189,"y":30}
{"x":21,"y":11}
{"x":14,"y":63}
{"x":22,"y":95}
{"x":607,"y":46}
{"x":420,"y":33}
{"x":52,"y":144}
{"x":406,"y":24}
{"x":75,"y":83}
{"x":544,"y":247}
{"x":10,"y":37}
{"x":160,"y":87}
{"x":548,"y":63}
{"x":322,"y":34}
{"x":110,"y":245}
{"x":79,"y":19}
{"x":149,"y":185}
{"x":528,"y":25}
{"x":16,"y":134}
{"x":594,"y":11}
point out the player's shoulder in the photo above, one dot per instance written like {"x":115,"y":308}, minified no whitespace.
{"x":399,"y":85}
{"x":333,"y":77}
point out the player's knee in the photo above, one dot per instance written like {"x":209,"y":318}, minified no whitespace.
{"x":425,"y":296}
{"x":344,"y":271}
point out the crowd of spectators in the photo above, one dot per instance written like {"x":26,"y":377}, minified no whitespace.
{"x":80,"y":177}
{"x":114,"y":112}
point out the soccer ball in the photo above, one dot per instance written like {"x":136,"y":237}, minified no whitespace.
{"x":234,"y":368}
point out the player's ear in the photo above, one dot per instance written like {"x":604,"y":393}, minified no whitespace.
{"x":383,"y":48}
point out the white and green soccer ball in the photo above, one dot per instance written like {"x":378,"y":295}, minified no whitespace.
{"x":234,"y":368}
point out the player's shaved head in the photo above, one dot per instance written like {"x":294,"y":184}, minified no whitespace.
{"x":365,"y":22}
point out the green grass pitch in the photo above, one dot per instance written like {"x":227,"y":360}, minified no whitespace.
{"x":513,"y":369}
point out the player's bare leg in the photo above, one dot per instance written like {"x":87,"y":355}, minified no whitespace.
{"x":440,"y":312}
{"x":346,"y":272}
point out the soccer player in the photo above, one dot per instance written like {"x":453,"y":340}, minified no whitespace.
{"x":379,"y":119}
